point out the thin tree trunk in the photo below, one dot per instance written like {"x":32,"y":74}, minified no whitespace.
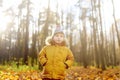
{"x":116,"y":27}
{"x":26,"y":51}
{"x":101,"y":44}
{"x":114,"y":51}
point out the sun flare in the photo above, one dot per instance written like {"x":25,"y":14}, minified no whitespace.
{"x":3,"y":22}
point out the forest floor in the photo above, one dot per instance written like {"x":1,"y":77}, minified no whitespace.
{"x":74,"y":73}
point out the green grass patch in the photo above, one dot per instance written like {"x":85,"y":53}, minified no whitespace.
{"x":13,"y":67}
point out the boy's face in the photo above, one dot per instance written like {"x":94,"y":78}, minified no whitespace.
{"x":58,"y":38}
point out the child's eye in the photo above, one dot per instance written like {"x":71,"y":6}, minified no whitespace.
{"x":57,"y":35}
{"x":61,"y":36}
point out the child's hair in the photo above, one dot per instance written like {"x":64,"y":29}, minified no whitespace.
{"x":49,"y":40}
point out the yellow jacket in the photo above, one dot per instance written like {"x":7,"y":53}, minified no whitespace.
{"x":55,"y":60}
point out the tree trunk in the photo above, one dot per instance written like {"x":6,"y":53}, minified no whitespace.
{"x":26,"y":51}
{"x":114,"y":51}
{"x":101,"y":42}
{"x":116,"y":27}
{"x":94,"y":23}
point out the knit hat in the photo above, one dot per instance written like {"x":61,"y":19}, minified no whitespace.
{"x":49,"y":40}
{"x":58,"y":30}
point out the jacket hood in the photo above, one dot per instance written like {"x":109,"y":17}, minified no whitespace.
{"x":50,"y":41}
